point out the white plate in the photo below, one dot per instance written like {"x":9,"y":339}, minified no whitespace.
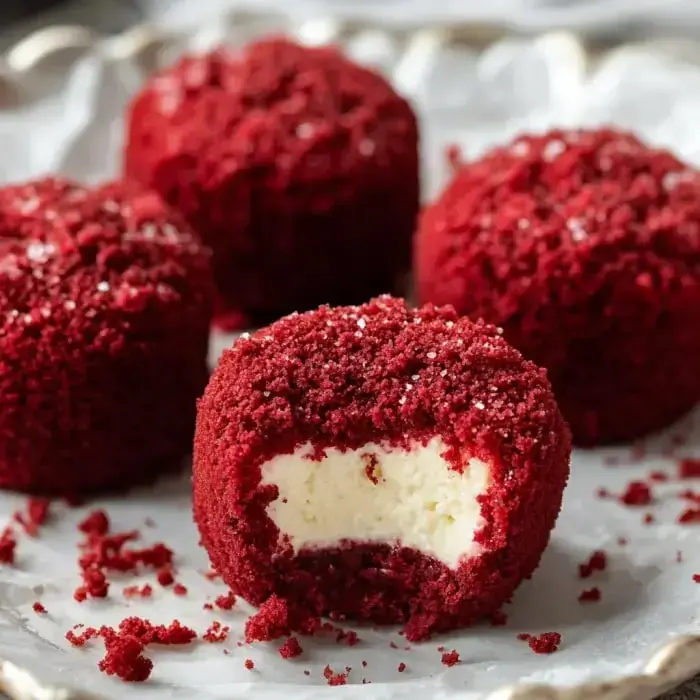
{"x":62,"y":97}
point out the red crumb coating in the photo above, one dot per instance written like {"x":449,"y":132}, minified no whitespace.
{"x":38,"y":608}
{"x":179,"y":589}
{"x":450,"y":658}
{"x":584,"y":246}
{"x":291,"y":649}
{"x":298,"y":167}
{"x":249,"y":664}
{"x":337,"y":377}
{"x":696,"y":578}
{"x":545,"y":643}
{"x":104,"y":310}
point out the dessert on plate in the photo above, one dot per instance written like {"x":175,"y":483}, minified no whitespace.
{"x":298,"y":167}
{"x":584,"y":246}
{"x":378,"y":463}
{"x":105,"y":299}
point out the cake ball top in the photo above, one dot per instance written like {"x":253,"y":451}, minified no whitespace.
{"x":294,"y":113}
{"x":104,"y":252}
{"x":382,"y":373}
{"x":573,"y":203}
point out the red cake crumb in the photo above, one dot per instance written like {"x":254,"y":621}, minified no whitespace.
{"x":165,"y":577}
{"x":689,"y":469}
{"x":179,"y":589}
{"x":216,"y":633}
{"x":291,"y":648}
{"x":212,"y":575}
{"x":372,"y":468}
{"x":8,"y":546}
{"x":590,"y":595}
{"x":124,"y":658}
{"x":225,"y":602}
{"x":38,"y":608}
{"x":545,"y":643}
{"x":124,"y":646}
{"x":602,"y":493}
{"x":145,"y":591}
{"x":347,"y":637}
{"x":95,"y":523}
{"x":105,"y":300}
{"x":450,"y":658}
{"x":208,"y":607}
{"x":103,"y":552}
{"x":95,"y":584}
{"x":690,"y":516}
{"x":249,"y":664}
{"x":648,"y":519}
{"x":637,"y":493}
{"x":660,"y":477}
{"x":696,"y":578}
{"x":364,"y":664}
{"x":36,"y":515}
{"x":79,"y":640}
{"x":470,"y":381}
{"x":401,"y":667}
{"x":690,"y":495}
{"x":596,"y":562}
{"x":334,"y":678}
{"x":267,"y":150}
{"x":580,"y":244}
{"x":278,"y":618}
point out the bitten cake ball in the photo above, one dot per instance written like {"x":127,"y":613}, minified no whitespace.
{"x":298,"y":167}
{"x":377,"y":463}
{"x":584,"y":246}
{"x":104,"y":309}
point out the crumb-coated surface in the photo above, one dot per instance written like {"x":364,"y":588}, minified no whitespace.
{"x":105,"y":300}
{"x":298,"y":167}
{"x":379,"y":372}
{"x":585,"y":247}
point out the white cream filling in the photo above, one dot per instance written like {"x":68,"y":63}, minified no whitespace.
{"x":417,"y":500}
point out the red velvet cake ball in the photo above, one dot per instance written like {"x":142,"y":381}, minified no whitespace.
{"x":104,"y":309}
{"x":298,"y":167}
{"x":377,"y":463}
{"x":584,"y":246}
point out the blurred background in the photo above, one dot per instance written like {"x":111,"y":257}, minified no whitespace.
{"x":611,"y":19}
